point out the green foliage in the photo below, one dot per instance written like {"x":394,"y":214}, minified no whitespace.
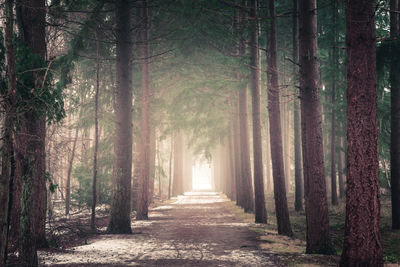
{"x":34,"y":85}
{"x":49,"y":179}
{"x":83,"y":194}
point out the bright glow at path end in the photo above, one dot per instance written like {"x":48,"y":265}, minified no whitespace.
{"x":201,"y":172}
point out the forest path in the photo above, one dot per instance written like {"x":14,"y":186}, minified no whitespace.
{"x":198,"y":229}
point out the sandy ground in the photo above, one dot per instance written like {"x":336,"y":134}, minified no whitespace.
{"x":196,"y":230}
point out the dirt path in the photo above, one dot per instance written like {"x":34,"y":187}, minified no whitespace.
{"x":197,"y":230}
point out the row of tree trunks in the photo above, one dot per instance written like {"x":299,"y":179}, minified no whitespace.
{"x":362,"y":241}
{"x":120,"y":221}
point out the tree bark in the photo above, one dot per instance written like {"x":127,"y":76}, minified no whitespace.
{"x":177,"y":184}
{"x":246,"y":179}
{"x":231,"y":155}
{"x":340,"y":168}
{"x":171,"y":152}
{"x":395,"y":115}
{"x":259,"y":198}
{"x":120,"y":221}
{"x":362,"y":240}
{"x":281,"y":208}
{"x":298,"y":179}
{"x":334,"y":196}
{"x":238,"y":158}
{"x":144,"y":177}
{"x":96,"y":136}
{"x":247,"y":187}
{"x":70,"y":165}
{"x":7,"y":149}
{"x":318,"y":238}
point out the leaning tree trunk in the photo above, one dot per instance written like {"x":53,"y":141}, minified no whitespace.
{"x":7,"y":149}
{"x":395,"y":112}
{"x":298,"y":179}
{"x":318,"y":239}
{"x":144,"y":177}
{"x":281,"y":208}
{"x":120,"y":220}
{"x":362,"y":240}
{"x":259,"y":198}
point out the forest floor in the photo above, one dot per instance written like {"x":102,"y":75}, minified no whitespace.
{"x":198,"y":229}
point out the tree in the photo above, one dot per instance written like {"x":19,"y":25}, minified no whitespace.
{"x":7,"y":149}
{"x":247,"y":199}
{"x":96,"y":135}
{"x":298,"y":204}
{"x":71,"y":162}
{"x":120,"y":221}
{"x":144,"y":177}
{"x":334,"y":63}
{"x":395,"y":113}
{"x":318,"y":239}
{"x":281,"y":208}
{"x":177,"y":183}
{"x":362,"y":241}
{"x":259,"y":198}
{"x":30,"y":138}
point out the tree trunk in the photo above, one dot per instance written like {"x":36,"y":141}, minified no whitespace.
{"x":7,"y":148}
{"x":246,"y":179}
{"x":96,"y":136}
{"x":170,"y":167}
{"x":144,"y":177}
{"x":395,"y":115}
{"x":177,"y":185}
{"x":259,"y":198}
{"x":231,"y":155}
{"x":187,"y":166}
{"x":120,"y":221}
{"x":236,"y":147}
{"x":236,"y":121}
{"x":362,"y":240}
{"x":153,"y":144}
{"x":281,"y":208}
{"x":70,"y":165}
{"x":340,"y":169}
{"x":30,"y":140}
{"x":333,"y":100}
{"x":298,"y":179}
{"x":318,"y":238}
{"x":247,"y":187}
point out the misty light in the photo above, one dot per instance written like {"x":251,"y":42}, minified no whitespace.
{"x":201,"y":176}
